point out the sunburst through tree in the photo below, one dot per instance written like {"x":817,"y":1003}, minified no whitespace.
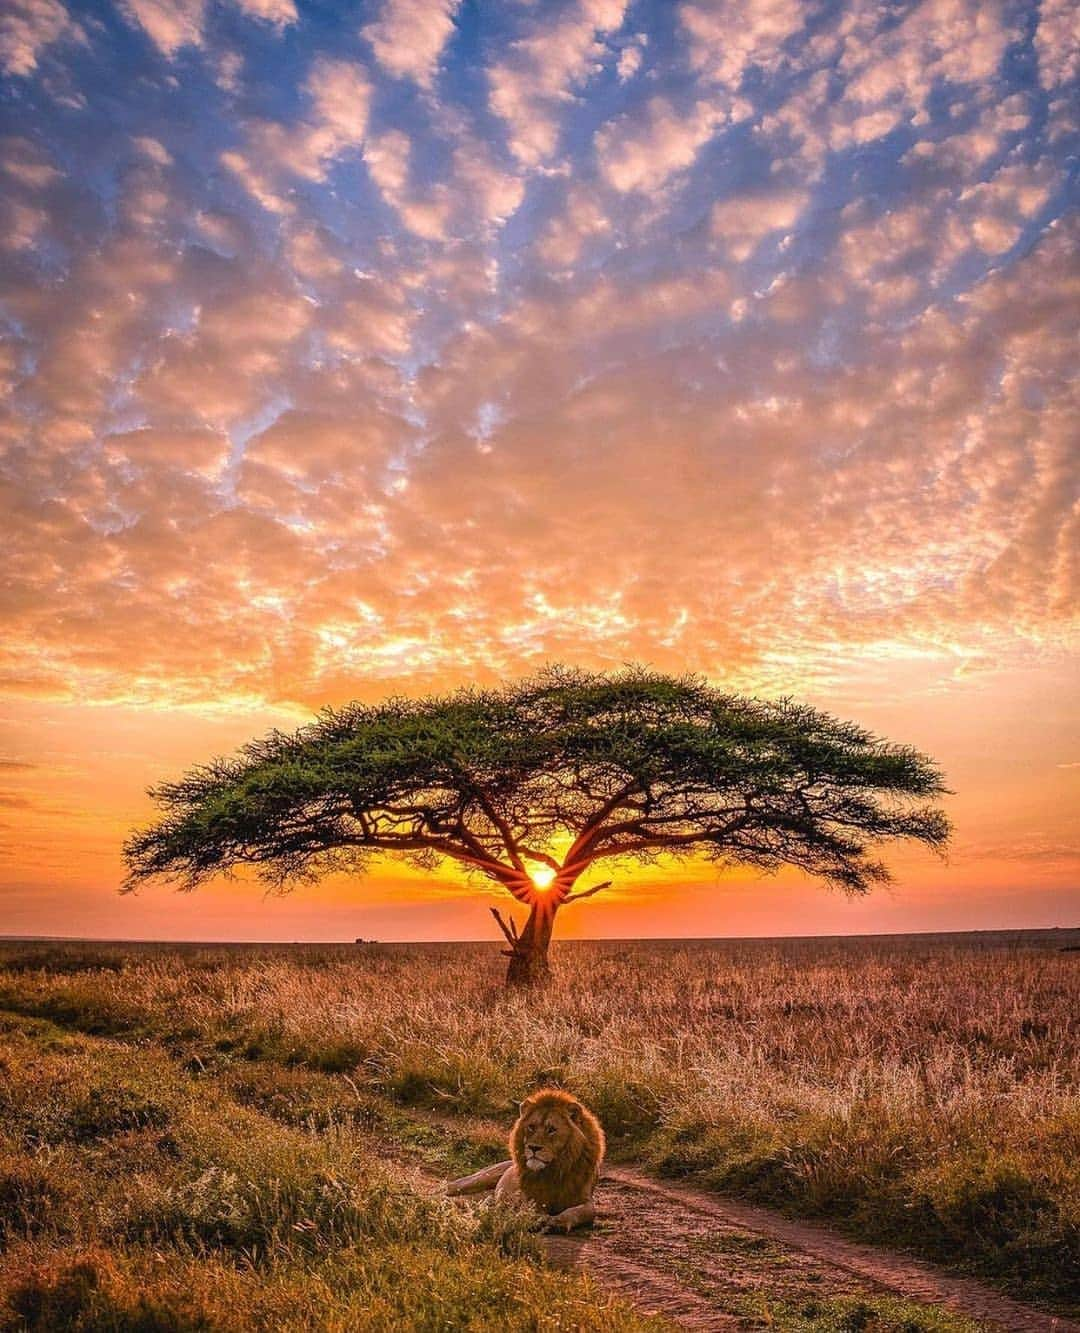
{"x":534,"y":784}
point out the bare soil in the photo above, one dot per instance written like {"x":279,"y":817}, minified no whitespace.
{"x":711,"y":1263}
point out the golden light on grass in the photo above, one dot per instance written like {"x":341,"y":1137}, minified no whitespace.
{"x":542,"y":876}
{"x":871,"y":1038}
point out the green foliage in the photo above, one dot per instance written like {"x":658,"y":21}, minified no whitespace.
{"x":1004,"y":1209}
{"x":631,"y":764}
{"x":402,"y":1286}
{"x":85,"y":1296}
{"x":259,"y":1214}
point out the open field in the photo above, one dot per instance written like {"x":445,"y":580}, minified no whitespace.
{"x":232,"y":1137}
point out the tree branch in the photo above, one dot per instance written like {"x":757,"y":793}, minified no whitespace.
{"x":595,"y":821}
{"x":658,"y":841}
{"x":585,"y":893}
{"x":543,"y":857}
{"x":504,"y":829}
{"x":418,"y":842}
{"x":508,"y":927}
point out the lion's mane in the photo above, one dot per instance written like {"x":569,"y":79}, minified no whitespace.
{"x":571,"y":1178}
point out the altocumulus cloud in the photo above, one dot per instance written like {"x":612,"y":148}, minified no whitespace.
{"x":354,"y":350}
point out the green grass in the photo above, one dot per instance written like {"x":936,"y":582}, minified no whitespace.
{"x":854,"y":1314}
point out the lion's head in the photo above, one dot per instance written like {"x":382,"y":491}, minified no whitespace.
{"x":557,"y":1146}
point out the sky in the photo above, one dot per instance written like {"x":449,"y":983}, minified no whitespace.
{"x":358,"y":349}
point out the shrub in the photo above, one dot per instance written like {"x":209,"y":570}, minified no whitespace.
{"x":999,"y":1214}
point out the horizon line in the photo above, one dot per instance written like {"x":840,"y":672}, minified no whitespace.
{"x":598,"y":939}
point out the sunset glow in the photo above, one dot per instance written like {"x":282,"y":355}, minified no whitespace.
{"x":542,"y":876}
{"x":359,"y":351}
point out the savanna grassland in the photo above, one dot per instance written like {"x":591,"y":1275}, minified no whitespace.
{"x":213,"y":1137}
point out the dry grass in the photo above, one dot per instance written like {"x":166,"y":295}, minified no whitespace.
{"x":137,"y":1198}
{"x":921,"y":1091}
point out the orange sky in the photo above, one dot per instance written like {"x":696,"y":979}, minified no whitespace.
{"x":352,"y":352}
{"x":1006,"y":753}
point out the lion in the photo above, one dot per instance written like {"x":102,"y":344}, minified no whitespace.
{"x":556,"y":1148}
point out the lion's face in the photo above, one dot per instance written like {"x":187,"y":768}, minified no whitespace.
{"x":546,"y":1132}
{"x":557,"y":1146}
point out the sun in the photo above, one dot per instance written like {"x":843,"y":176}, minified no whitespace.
{"x":542,"y":876}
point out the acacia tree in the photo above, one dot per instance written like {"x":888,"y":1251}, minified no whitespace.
{"x":534,"y":784}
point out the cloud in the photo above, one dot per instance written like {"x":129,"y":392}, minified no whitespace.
{"x":1032,"y":847}
{"x":727,"y":38}
{"x":409,"y":37}
{"x":200,"y":451}
{"x":529,"y":86}
{"x":891,"y":70}
{"x":25,"y":163}
{"x":959,"y":157}
{"x":278,"y":13}
{"x":643,"y":152}
{"x":153,"y":149}
{"x":631,"y":57}
{"x":999,"y":208}
{"x":476,"y":194}
{"x":1057,"y":43}
{"x":567,"y":233}
{"x":741,"y":222}
{"x":170,"y":24}
{"x":387,"y":158}
{"x":174,"y":24}
{"x":390,"y":403}
{"x":487,"y":561}
{"x":487,"y":189}
{"x":311,"y":254}
{"x":867,"y":75}
{"x":28,"y":28}
{"x":339,"y":92}
{"x":954,"y":40}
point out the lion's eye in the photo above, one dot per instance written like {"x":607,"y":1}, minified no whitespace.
{"x":551,"y":1129}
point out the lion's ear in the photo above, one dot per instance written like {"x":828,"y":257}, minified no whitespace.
{"x":572,"y":1112}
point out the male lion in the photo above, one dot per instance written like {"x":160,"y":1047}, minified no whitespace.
{"x":556,"y":1147}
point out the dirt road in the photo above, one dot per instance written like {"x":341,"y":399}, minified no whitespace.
{"x":708,"y":1262}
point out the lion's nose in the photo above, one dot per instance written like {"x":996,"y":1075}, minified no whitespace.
{"x":533,"y":1147}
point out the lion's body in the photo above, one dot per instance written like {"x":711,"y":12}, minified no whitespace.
{"x":556,"y":1150}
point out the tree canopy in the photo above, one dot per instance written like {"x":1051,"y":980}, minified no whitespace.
{"x":532,"y":783}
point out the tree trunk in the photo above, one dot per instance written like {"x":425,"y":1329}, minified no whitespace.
{"x":529,"y":960}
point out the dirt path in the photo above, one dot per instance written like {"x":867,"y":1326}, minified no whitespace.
{"x":726,"y":1259}
{"x":709,"y":1262}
